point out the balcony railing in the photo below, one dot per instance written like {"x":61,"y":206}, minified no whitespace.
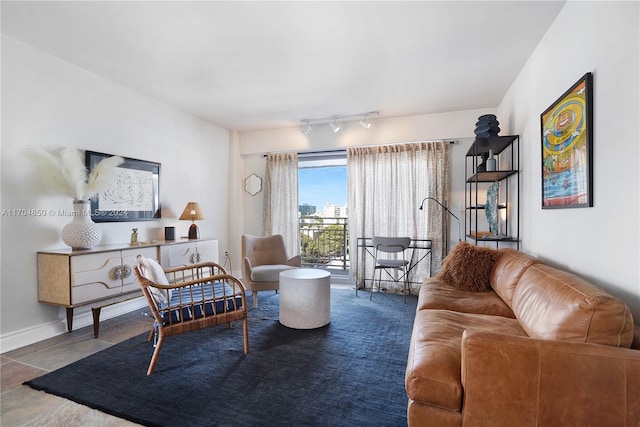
{"x":324,"y":242}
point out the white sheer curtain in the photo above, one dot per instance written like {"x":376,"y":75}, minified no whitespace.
{"x":386,"y":186}
{"x":280,"y":213}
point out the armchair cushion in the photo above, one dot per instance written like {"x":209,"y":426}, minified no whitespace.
{"x":152,"y":271}
{"x":190,"y":302}
{"x":264,"y":250}
{"x":268,"y":273}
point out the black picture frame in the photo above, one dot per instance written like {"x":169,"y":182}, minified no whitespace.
{"x":566,"y":133}
{"x":134,"y":194}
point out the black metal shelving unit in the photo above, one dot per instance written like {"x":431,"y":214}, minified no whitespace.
{"x":506,"y":150}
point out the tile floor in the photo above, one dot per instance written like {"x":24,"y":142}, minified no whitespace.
{"x":21,"y":405}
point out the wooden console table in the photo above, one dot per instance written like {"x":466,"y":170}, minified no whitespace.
{"x":104,"y":275}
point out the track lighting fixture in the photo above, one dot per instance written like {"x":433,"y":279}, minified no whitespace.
{"x":335,"y":121}
{"x":364,"y":122}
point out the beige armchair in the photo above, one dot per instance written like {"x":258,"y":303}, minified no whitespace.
{"x":263,"y":258}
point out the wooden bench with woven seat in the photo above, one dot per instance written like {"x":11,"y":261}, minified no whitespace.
{"x":187,"y":298}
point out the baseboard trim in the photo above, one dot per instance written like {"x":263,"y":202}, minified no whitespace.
{"x":342,"y":279}
{"x":82,"y":317}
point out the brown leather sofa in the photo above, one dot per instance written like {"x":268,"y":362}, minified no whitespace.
{"x":542,"y":347}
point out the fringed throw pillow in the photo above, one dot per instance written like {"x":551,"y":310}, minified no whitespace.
{"x":468,"y":267}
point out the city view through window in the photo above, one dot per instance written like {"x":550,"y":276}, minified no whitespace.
{"x":322,"y":197}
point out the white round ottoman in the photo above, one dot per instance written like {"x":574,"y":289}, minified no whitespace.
{"x":305,"y":298}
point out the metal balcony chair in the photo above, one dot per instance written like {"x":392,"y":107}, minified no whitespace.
{"x":389,"y":254}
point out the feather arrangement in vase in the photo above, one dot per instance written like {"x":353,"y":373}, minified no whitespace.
{"x":64,"y":173}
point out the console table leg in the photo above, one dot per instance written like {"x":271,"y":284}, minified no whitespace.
{"x":69,"y":319}
{"x":96,"y":320}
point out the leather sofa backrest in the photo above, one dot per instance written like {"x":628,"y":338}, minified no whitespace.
{"x":554,"y":304}
{"x":507,"y":270}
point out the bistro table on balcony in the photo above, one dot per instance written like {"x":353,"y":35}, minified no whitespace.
{"x":420,"y":252}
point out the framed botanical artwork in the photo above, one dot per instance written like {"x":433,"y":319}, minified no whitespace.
{"x":567,"y":155}
{"x":133,"y":195}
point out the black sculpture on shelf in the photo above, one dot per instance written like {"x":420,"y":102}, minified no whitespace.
{"x":487,"y":126}
{"x":482,"y":166}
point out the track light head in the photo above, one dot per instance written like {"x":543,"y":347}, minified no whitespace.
{"x":365,"y":123}
{"x":335,"y":126}
{"x":307,"y":128}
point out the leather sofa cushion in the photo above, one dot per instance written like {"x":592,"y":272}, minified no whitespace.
{"x":433,"y":375}
{"x":423,"y":415}
{"x":507,"y":270}
{"x":436,"y":294}
{"x":558,"y":305}
{"x":268,"y":273}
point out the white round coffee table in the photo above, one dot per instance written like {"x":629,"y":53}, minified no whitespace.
{"x":305,"y":298}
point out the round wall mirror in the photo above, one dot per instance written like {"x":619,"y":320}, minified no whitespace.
{"x":253,"y":184}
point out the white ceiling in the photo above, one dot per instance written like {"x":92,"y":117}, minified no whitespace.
{"x":262,"y":65}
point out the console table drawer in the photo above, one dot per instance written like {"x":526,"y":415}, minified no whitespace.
{"x":104,"y":275}
{"x":187,"y":253}
{"x":95,"y":271}
{"x":93,"y":291}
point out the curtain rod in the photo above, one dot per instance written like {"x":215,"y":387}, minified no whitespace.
{"x":309,"y":153}
{"x":344,"y":150}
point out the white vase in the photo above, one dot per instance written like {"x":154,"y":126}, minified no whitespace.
{"x":81,"y":232}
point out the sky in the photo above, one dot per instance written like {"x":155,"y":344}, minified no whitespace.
{"x":319,"y":186}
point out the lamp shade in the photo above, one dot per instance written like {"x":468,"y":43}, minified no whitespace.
{"x":192,"y":212}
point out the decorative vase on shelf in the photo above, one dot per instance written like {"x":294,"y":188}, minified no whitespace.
{"x":81,"y":232}
{"x":491,"y":162}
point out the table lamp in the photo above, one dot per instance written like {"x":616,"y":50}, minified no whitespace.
{"x":192,"y":212}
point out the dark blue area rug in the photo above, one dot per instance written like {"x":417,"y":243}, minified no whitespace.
{"x":348,"y":373}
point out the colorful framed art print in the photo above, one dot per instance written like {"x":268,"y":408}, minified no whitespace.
{"x":567,"y":141}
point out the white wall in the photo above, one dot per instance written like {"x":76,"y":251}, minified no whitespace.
{"x":50,"y":103}
{"x":457,"y":125}
{"x":599,"y":243}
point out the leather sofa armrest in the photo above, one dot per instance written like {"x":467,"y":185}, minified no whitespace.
{"x":636,"y":337}
{"x":295,"y":261}
{"x":513,"y":380}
